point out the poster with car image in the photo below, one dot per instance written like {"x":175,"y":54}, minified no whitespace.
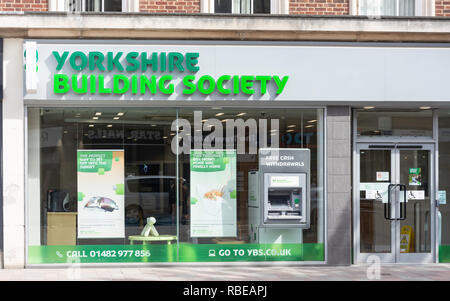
{"x":100,"y":203}
{"x":213,"y":193}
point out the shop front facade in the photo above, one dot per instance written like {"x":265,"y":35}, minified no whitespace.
{"x":109,"y":137}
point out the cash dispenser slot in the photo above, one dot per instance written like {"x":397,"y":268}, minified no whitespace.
{"x":284,"y":203}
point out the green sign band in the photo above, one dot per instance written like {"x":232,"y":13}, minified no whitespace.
{"x":168,"y":253}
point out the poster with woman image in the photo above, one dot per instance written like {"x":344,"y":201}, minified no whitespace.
{"x":100,"y":193}
{"x":213,"y":193}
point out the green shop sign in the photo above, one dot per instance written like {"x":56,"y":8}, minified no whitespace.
{"x":130,"y":72}
{"x":168,"y":253}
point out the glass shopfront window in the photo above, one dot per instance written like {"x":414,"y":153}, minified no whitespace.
{"x":113,"y":185}
{"x":401,"y":123}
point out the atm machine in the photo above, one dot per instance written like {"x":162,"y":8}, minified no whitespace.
{"x":279,"y":196}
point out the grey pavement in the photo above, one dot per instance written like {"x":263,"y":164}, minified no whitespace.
{"x":428,"y":272}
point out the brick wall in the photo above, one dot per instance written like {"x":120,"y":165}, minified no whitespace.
{"x":23,"y":5}
{"x":319,"y":7}
{"x":442,"y":8}
{"x":169,"y":6}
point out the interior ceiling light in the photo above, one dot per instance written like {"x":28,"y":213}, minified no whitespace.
{"x":424,"y":108}
{"x":120,"y":114}
{"x":241,"y":114}
{"x":219,"y":114}
{"x":98,"y":114}
{"x":368,"y":107}
{"x":311,"y":121}
{"x":292,"y":126}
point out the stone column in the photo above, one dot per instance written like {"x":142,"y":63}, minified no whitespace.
{"x":339,"y":210}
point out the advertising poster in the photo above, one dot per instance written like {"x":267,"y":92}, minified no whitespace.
{"x":213,"y":193}
{"x":415,"y":177}
{"x":100,"y":193}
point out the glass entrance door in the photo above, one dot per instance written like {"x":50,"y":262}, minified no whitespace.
{"x":395,"y":211}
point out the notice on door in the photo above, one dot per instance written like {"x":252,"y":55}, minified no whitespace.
{"x":415,"y":177}
{"x":382,"y":176}
{"x":442,"y":197}
{"x":213,"y":193}
{"x":100,"y":194}
{"x":374,"y":191}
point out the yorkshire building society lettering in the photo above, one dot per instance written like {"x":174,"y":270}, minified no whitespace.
{"x":143,"y":73}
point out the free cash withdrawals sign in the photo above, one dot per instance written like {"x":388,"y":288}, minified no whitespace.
{"x":101,"y":201}
{"x":213,"y":193}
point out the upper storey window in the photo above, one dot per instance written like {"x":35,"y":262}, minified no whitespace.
{"x":95,"y":5}
{"x":394,"y":7}
{"x":387,"y":7}
{"x":242,"y":6}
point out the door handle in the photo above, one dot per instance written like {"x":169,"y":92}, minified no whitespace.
{"x":403,"y":206}
{"x":387,"y":207}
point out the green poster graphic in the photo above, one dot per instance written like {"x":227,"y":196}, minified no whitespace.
{"x":415,"y":177}
{"x":213,"y":193}
{"x":100,"y":194}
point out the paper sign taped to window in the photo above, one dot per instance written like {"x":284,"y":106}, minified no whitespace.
{"x":375,"y":191}
{"x":442,"y":197}
{"x":382,"y":176}
{"x":415,"y":194}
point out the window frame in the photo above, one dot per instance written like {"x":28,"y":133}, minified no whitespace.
{"x":276,"y":7}
{"x":63,"y":6}
{"x":422,"y":8}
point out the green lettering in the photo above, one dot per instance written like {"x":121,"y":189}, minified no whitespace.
{"x":83,"y":88}
{"x":96,"y":59}
{"x":263,"y":80}
{"x":162,"y":59}
{"x":176,"y":59}
{"x":152,"y":61}
{"x":236,"y":84}
{"x":116,"y":84}
{"x":93,"y":84}
{"x":161,"y":84}
{"x":101,"y":85}
{"x":201,"y":84}
{"x":60,"y":59}
{"x":60,"y":83}
{"x":114,"y":61}
{"x":146,"y":83}
{"x":134,"y":88}
{"x":220,"y":81}
{"x":192,"y":61}
{"x":73,"y":59}
{"x":131,"y":59}
{"x":280,"y":83}
{"x":187,"y":81}
{"x":247,"y":83}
